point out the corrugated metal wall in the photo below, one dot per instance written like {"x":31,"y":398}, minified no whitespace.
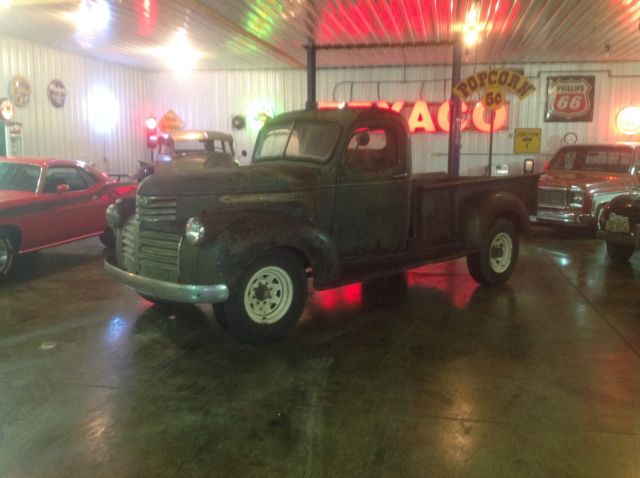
{"x":71,"y":132}
{"x":210,"y":99}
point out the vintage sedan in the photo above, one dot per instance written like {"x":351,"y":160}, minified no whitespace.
{"x":619,"y":225}
{"x":190,"y":150}
{"x":47,"y":202}
{"x":581,"y":179}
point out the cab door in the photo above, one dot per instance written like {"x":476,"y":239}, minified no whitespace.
{"x":373,"y":191}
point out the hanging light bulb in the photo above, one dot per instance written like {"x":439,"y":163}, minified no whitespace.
{"x":472,"y":27}
{"x":179,"y":54}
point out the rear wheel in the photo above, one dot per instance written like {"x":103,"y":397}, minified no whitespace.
{"x":7,"y":254}
{"x":498,"y":255}
{"x":267,"y":300}
{"x":619,"y":253}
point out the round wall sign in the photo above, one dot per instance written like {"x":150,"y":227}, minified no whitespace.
{"x":6,"y":109}
{"x":57,"y":93}
{"x":20,"y":90}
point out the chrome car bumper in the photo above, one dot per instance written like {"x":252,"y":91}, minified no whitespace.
{"x":169,"y":291}
{"x":564,"y":217}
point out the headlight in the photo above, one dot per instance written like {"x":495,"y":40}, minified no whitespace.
{"x":576,"y":198}
{"x":113,"y":216}
{"x":194,"y":230}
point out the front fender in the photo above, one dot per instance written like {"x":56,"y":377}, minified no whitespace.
{"x":482,"y":211}
{"x":235,"y":240}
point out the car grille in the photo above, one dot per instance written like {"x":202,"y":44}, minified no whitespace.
{"x":151,"y":254}
{"x":152,"y":208}
{"x":552,"y":197}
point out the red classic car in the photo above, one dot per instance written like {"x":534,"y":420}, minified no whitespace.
{"x":46,"y":202}
{"x":580,"y":179}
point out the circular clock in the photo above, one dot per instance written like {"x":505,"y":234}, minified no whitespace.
{"x":570,"y":138}
{"x":20,"y":90}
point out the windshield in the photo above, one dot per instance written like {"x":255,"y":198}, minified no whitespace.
{"x":19,"y":177}
{"x":611,"y":160}
{"x":300,"y":141}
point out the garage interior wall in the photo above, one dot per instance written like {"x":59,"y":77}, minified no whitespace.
{"x":209,"y":99}
{"x":102,"y":121}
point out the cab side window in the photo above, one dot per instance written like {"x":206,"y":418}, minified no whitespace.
{"x":57,"y":175}
{"x":372,"y":150}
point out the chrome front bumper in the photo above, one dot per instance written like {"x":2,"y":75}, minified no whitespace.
{"x":169,"y":291}
{"x":564,"y":217}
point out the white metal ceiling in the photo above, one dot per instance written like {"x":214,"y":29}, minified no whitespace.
{"x":261,"y":34}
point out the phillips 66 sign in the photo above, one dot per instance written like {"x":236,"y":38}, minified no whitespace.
{"x":570,"y":98}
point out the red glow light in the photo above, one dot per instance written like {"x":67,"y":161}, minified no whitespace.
{"x":151,"y":122}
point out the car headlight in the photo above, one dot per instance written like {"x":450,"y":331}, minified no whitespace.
{"x":194,"y":230}
{"x":576,"y":197}
{"x":113,"y":216}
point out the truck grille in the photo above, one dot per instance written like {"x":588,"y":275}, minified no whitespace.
{"x":152,"y":208}
{"x":552,"y":197}
{"x":151,"y":253}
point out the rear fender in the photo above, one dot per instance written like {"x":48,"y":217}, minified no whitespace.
{"x":234,"y":243}
{"x":482,"y":211}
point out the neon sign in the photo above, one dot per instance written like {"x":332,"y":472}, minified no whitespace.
{"x":628,"y":120}
{"x":424,"y":117}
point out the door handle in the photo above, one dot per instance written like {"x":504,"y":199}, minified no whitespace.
{"x":401,"y":175}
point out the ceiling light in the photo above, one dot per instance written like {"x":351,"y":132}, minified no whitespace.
{"x":179,"y":54}
{"x":472,"y":27}
{"x":5,"y":4}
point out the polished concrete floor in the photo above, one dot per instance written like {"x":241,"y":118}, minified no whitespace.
{"x":537,"y":378}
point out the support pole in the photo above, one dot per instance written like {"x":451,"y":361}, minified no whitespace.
{"x":453,"y":166}
{"x":493,"y":119}
{"x":311,"y":75}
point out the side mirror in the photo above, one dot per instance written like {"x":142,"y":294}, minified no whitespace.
{"x":363,"y":138}
{"x":528,"y":166}
{"x":63,"y":188}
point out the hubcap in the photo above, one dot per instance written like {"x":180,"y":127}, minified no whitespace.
{"x":268,"y":295}
{"x":500,"y":253}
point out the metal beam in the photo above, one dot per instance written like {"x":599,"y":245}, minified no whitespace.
{"x":311,"y":75}
{"x":453,"y":165}
{"x":353,"y":46}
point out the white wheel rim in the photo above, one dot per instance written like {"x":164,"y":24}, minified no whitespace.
{"x":500,"y":253}
{"x":268,"y":295}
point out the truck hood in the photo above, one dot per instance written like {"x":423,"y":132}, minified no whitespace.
{"x":589,"y":180}
{"x":254,"y":178}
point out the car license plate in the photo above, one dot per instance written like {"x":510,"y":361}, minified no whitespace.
{"x":619,"y":224}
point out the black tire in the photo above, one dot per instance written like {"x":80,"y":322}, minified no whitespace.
{"x":498,"y":255}
{"x":160,"y":302}
{"x":619,"y":253}
{"x":266,"y":301}
{"x":108,"y":238}
{"x":7,"y":254}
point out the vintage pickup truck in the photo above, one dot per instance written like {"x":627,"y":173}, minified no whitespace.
{"x":581,"y":179}
{"x":329,"y":195}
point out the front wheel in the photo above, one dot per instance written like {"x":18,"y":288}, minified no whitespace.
{"x":108,"y":238}
{"x":267,"y":300}
{"x":498,"y":255}
{"x":7,"y":254}
{"x":619,"y":253}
